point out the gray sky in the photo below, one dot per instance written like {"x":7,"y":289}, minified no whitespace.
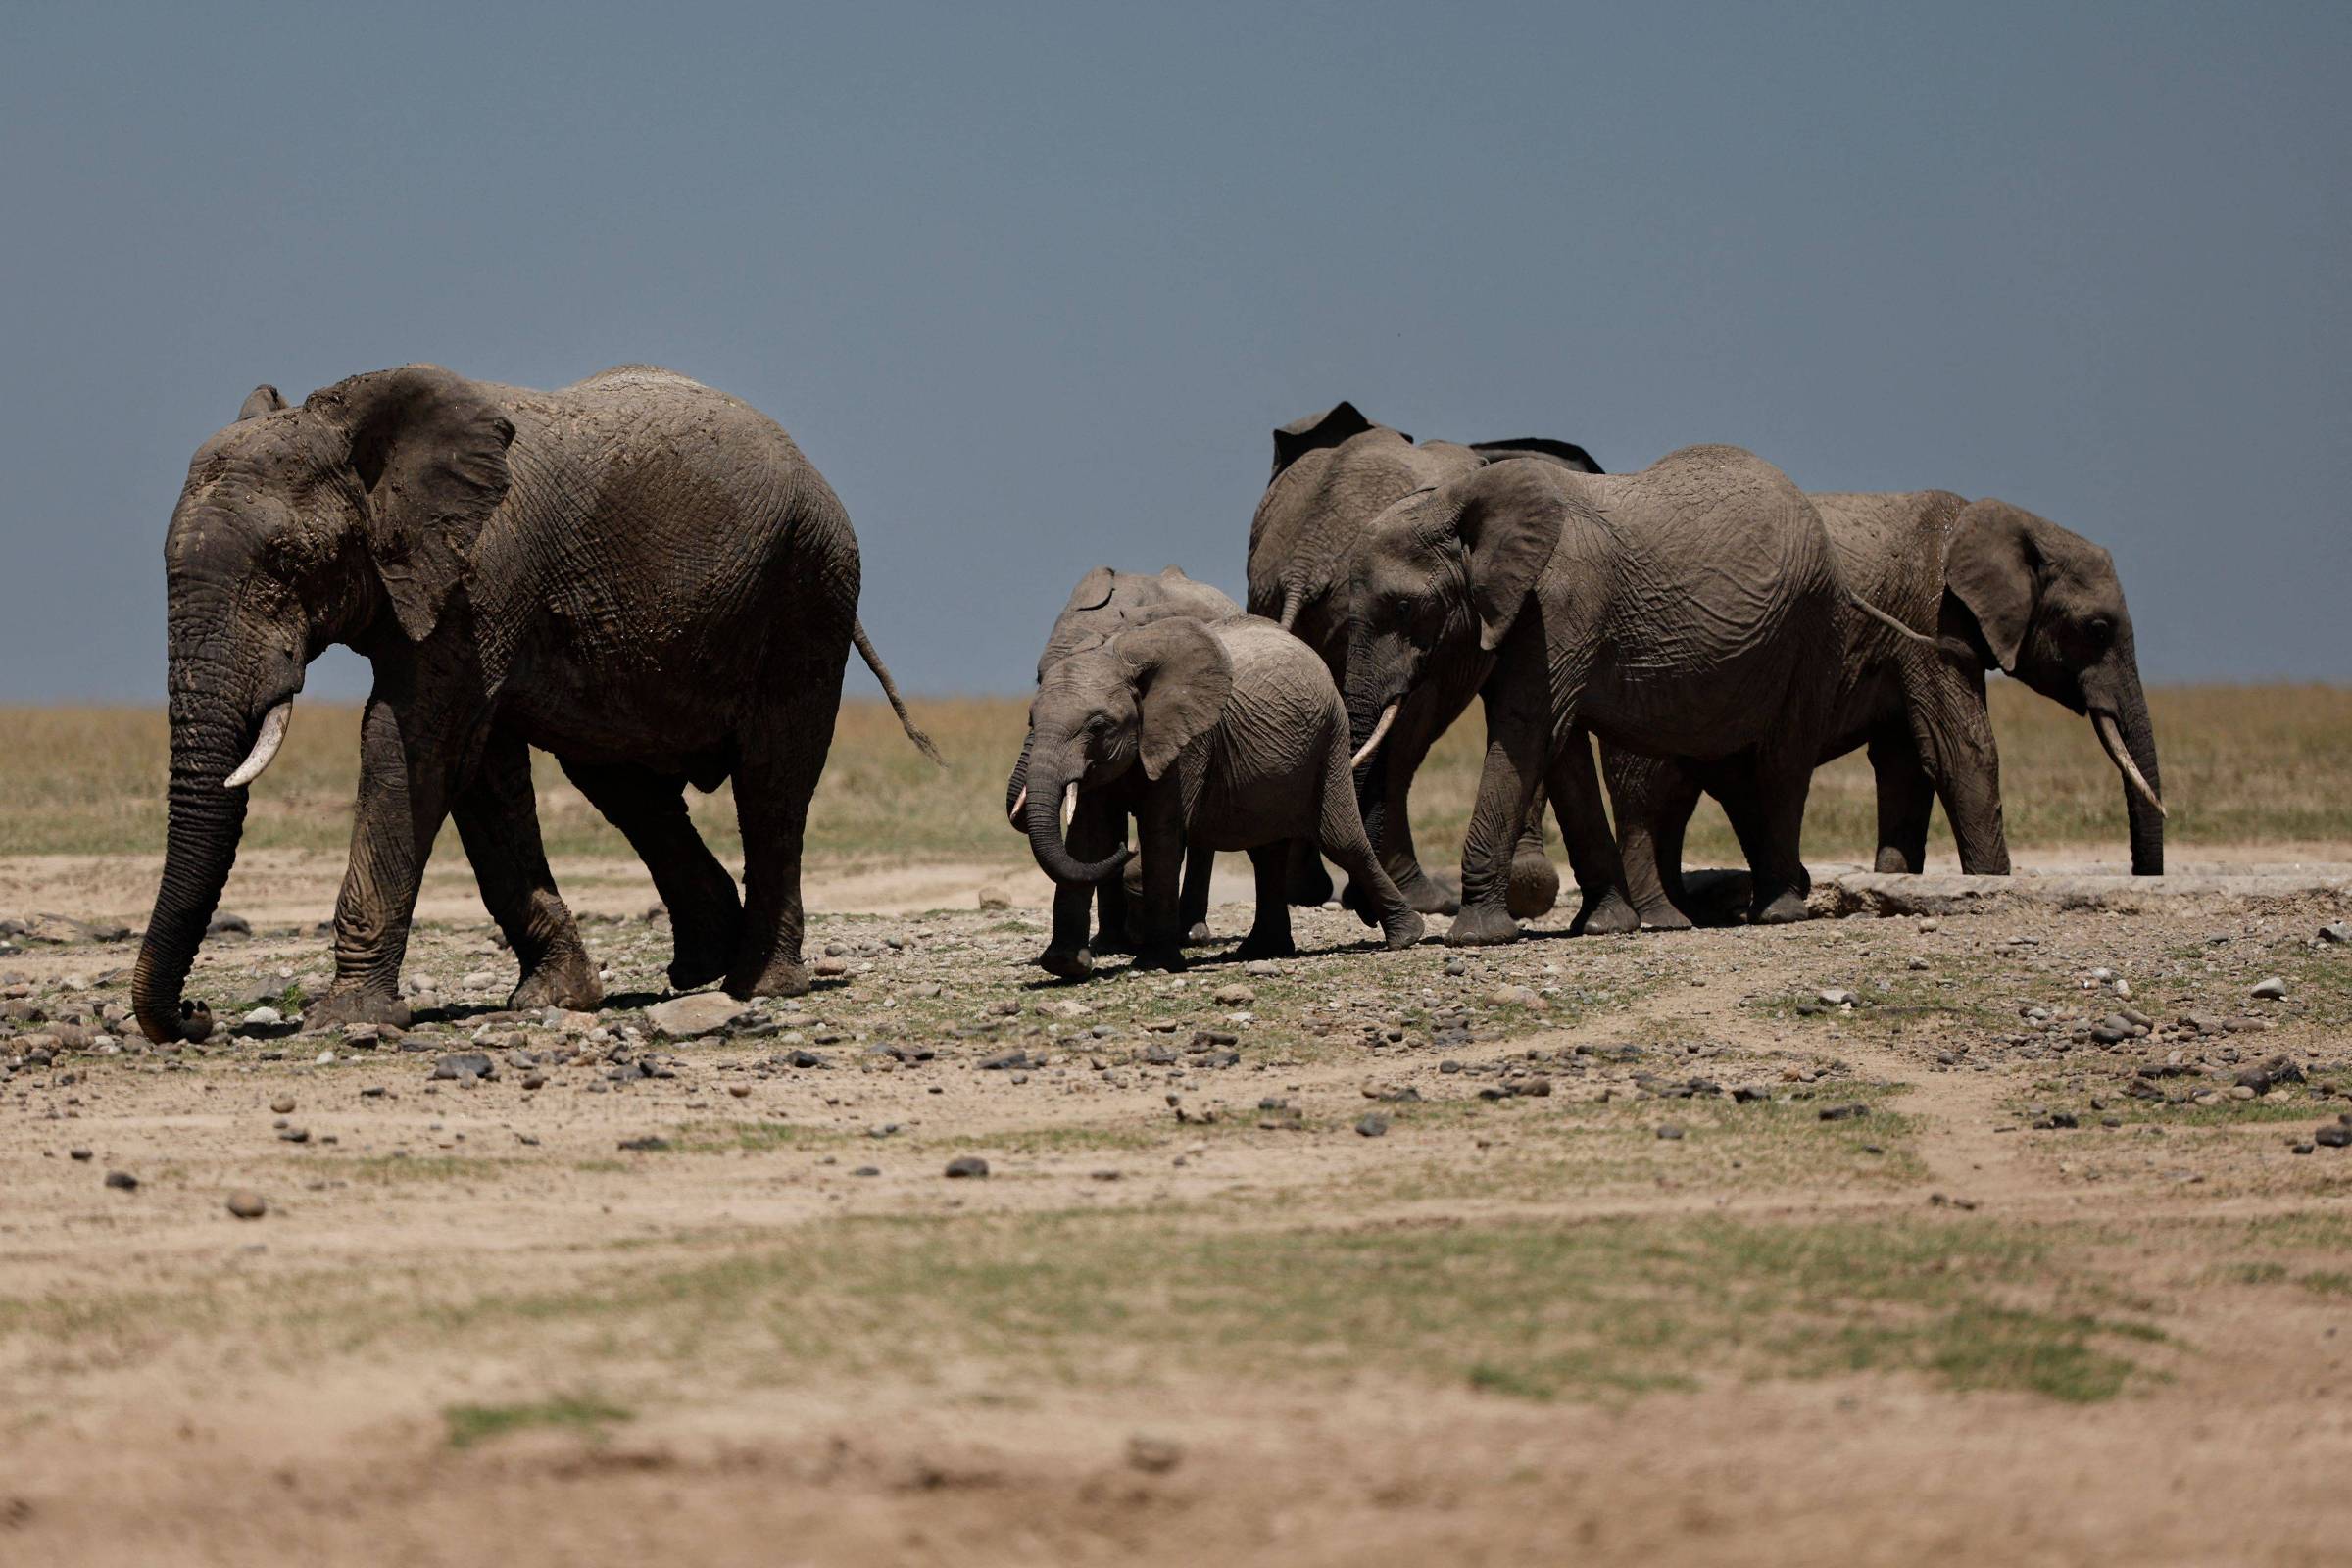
{"x":1032,"y":288}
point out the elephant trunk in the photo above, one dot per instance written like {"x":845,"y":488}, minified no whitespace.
{"x":1047,"y":788}
{"x":207,"y":816}
{"x":2137,"y":736}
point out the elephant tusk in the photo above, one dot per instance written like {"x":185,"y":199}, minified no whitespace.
{"x":1018,"y":801}
{"x":2111,"y":736}
{"x":1878,"y":615}
{"x":265,"y":746}
{"x":1380,"y":731}
{"x":1069,"y":806}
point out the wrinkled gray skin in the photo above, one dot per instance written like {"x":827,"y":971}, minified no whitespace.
{"x":1998,"y":588}
{"x":1106,"y":602}
{"x":637,"y":573}
{"x":1670,"y":611}
{"x":1220,"y":736}
{"x":1333,"y":473}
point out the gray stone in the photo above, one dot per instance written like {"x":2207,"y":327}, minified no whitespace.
{"x":686,"y":1018}
{"x":246,"y":1204}
{"x":465,"y":1067}
{"x":2272,"y":990}
{"x":965,"y":1166}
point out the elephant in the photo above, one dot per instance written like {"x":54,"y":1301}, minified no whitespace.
{"x":1670,"y":611}
{"x":2002,"y":589}
{"x":637,"y":573}
{"x":1224,"y":735}
{"x":1333,"y":472}
{"x":1106,"y":602}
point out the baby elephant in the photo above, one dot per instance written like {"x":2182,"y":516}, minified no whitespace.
{"x":1227,"y":735}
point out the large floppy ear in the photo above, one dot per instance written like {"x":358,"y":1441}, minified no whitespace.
{"x":1993,"y":567}
{"x":1329,"y":428}
{"x":1507,"y":519}
{"x":263,"y":399}
{"x":1093,"y":592}
{"x":1182,"y":679}
{"x":1536,"y":446}
{"x":431,"y":450}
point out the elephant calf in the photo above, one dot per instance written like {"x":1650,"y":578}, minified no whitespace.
{"x":1218,"y":736}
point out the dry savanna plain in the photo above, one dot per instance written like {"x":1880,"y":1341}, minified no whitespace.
{"x":1962,"y":1224}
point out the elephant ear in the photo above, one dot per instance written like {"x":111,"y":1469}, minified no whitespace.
{"x":1508,"y":519}
{"x":1093,"y":592}
{"x":1335,"y":425}
{"x":1567,"y":453}
{"x":261,"y":400}
{"x":1182,"y":679}
{"x":1993,"y":568}
{"x":430,"y":451}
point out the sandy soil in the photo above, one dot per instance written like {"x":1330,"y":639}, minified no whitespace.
{"x":179,"y":1386}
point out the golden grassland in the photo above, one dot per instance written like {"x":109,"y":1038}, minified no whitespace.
{"x":2242,"y":765}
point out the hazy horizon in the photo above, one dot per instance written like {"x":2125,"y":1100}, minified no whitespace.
{"x":1033,"y":293}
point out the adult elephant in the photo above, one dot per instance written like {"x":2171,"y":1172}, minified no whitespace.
{"x":1106,"y":602}
{"x":1960,"y":588}
{"x":1671,"y":612}
{"x":637,"y":573}
{"x":1335,"y":473}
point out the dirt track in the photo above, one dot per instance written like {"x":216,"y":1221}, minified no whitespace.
{"x":1193,"y":1314}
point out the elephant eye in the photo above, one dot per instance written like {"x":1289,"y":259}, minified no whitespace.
{"x":2100,"y":628}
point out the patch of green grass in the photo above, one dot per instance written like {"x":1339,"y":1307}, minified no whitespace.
{"x":470,"y":1424}
{"x":1537,"y":1311}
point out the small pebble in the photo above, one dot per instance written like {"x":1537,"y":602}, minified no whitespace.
{"x":246,"y":1204}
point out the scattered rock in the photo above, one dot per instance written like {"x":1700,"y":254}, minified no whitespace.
{"x":1845,"y":1112}
{"x":1235,"y":996}
{"x":282,"y":1106}
{"x":967,"y":1165}
{"x":649,"y":1144}
{"x":263,"y":1017}
{"x":2272,"y":990}
{"x":246,"y":1204}
{"x":689,"y":1017}
{"x":1374,"y":1125}
{"x":464,"y":1067}
{"x":122,"y":1180}
{"x":1670,"y":1132}
{"x":1154,"y":1457}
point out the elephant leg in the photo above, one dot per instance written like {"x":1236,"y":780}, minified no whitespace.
{"x":1114,"y":897}
{"x":404,"y":798}
{"x":1160,"y":830}
{"x":1305,"y":882}
{"x":1420,"y":721}
{"x":1200,"y":866}
{"x":780,"y":756}
{"x":1097,"y":827}
{"x":1906,"y":800}
{"x":1519,"y":742}
{"x":706,"y":917}
{"x":1339,"y":827}
{"x":1607,"y":905}
{"x":1270,"y":931}
{"x":1774,"y":835}
{"x":498,"y":820}
{"x":1653,"y":797}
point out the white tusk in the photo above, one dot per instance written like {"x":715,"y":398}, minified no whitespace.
{"x":2111,"y":736}
{"x":1380,"y":732}
{"x":1018,"y":801}
{"x":1069,"y":806}
{"x":265,"y":746}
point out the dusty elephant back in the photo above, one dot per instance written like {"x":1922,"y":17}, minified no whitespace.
{"x":1717,"y":565}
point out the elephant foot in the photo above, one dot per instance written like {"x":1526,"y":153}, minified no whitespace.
{"x":1166,"y":959}
{"x":1663,"y":916}
{"x":1111,"y":941}
{"x":1429,"y":895}
{"x":1199,"y":935}
{"x":1402,"y":929}
{"x":568,"y":980}
{"x":1606,"y":913}
{"x":783,"y":975}
{"x":1893,"y":860}
{"x":1482,"y":925}
{"x":358,"y":1004}
{"x":1257,"y":945}
{"x":1785,"y":909}
{"x":1308,"y":887}
{"x":1534,"y":887}
{"x":1067,"y":963}
{"x":697,"y":958}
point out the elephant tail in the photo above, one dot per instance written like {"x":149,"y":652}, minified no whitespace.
{"x":890,"y":689}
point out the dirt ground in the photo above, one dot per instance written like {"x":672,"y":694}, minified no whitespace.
{"x":1878,"y":1241}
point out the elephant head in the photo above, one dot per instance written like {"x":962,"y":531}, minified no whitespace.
{"x":1104,"y":602}
{"x":1136,"y":700}
{"x":2044,"y":604}
{"x":1442,"y":575}
{"x":349,"y":519}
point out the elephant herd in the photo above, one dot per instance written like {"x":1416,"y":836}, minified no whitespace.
{"x":1714,"y":628}
{"x":645,"y":578}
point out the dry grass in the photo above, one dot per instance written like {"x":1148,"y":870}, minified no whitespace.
{"x":2240,"y":765}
